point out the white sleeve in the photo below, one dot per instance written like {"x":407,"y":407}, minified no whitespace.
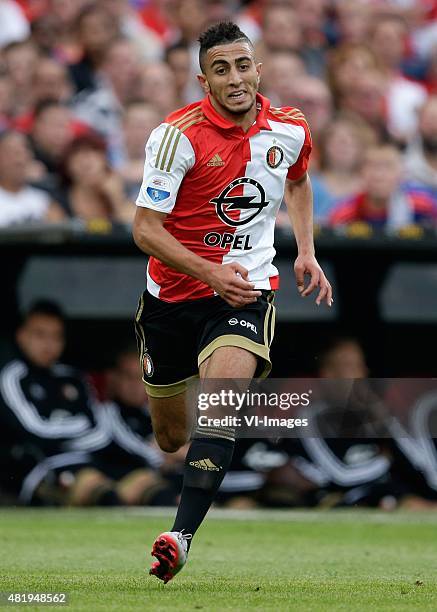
{"x":169,"y":156}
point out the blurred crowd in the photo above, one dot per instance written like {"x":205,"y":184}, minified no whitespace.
{"x":83,"y":83}
{"x":67,"y":439}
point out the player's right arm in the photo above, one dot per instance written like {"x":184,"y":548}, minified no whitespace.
{"x":169,"y":156}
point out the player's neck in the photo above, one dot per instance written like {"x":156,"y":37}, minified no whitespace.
{"x":245,"y":120}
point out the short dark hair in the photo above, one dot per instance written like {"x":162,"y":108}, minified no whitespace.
{"x":46,"y":308}
{"x":221,"y":33}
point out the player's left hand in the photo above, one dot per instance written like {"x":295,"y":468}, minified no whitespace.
{"x":308,"y":264}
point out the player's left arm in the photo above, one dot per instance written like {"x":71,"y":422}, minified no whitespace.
{"x":299,"y":200}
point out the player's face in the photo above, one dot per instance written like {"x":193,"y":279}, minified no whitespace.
{"x":231,"y":76}
{"x":41,"y":339}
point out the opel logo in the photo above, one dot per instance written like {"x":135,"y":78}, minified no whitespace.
{"x":227,"y":202}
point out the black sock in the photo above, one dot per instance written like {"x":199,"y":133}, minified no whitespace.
{"x":206,"y":464}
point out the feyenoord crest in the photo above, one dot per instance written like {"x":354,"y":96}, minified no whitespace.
{"x":231,"y":199}
{"x":147,"y":365}
{"x":274,"y":156}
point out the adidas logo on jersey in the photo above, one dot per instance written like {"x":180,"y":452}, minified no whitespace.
{"x":205,"y":464}
{"x":216,"y":161}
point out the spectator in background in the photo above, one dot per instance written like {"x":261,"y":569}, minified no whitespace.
{"x":353,"y":21}
{"x":342,"y":146}
{"x":384,"y":201}
{"x":90,"y":190}
{"x":311,"y":15}
{"x":340,"y":468}
{"x":50,"y":135}
{"x":332,"y":470}
{"x":403,"y":98}
{"x":179,"y":60}
{"x":21,"y":60}
{"x":190,"y":19}
{"x":47,"y":420}
{"x":280,"y":73}
{"x":366,"y":98}
{"x":102,"y":108}
{"x":280,"y":31}
{"x":20,"y":203}
{"x":65,"y":13}
{"x":157,"y":87}
{"x":139,"y":120}
{"x":421,"y":155}
{"x":346,"y":63}
{"x":95,"y":30}
{"x":411,"y":482}
{"x":51,"y":81}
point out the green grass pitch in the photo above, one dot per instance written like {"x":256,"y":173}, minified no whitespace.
{"x":304,"y":560}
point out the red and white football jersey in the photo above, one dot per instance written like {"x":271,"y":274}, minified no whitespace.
{"x":221,"y":188}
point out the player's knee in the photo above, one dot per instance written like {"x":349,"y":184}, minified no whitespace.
{"x":170,"y":442}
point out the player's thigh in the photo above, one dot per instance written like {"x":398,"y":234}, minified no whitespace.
{"x":229,"y":362}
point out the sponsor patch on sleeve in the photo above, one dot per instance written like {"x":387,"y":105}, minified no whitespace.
{"x":158,"y":189}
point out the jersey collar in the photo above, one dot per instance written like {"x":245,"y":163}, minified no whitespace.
{"x":262,"y":103}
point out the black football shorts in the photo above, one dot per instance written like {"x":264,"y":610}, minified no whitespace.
{"x":174,"y":338}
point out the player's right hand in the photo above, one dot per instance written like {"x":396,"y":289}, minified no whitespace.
{"x":230,"y":281}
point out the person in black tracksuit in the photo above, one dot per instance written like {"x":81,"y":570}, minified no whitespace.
{"x":48,"y":423}
{"x":144,"y":475}
{"x":390,"y":465}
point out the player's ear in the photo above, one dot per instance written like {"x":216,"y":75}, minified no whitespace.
{"x":203,"y":83}
{"x":258,"y":70}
